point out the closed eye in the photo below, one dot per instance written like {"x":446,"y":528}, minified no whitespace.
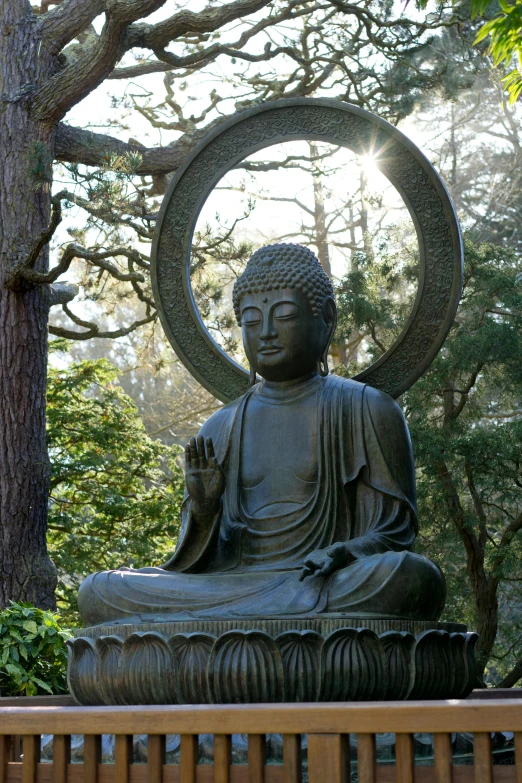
{"x":251,"y":316}
{"x":285,"y":311}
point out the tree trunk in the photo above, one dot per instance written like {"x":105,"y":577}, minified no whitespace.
{"x":487,"y":624}
{"x":26,"y":571}
{"x":321,"y":234}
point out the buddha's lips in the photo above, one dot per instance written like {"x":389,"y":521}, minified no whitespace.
{"x":270,"y":349}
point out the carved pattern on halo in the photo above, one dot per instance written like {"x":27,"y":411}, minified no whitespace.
{"x":408,"y":358}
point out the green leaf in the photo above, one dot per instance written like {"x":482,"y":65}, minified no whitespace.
{"x":477,"y":7}
{"x":16,"y":671}
{"x":41,"y":684}
{"x":30,"y":626}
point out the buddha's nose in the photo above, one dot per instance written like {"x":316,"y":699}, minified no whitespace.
{"x":268,"y":331}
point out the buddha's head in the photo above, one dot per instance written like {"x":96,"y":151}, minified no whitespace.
{"x":284,"y":303}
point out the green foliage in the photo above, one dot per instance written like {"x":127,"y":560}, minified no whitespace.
{"x":465,"y":420}
{"x":115,"y":492}
{"x":503,"y":24}
{"x":374,"y":301}
{"x":505,"y":30}
{"x":33,"y":655}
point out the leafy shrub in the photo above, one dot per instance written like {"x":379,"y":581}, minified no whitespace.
{"x":33,"y":654}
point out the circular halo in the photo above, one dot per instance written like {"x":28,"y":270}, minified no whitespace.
{"x":317,"y":119}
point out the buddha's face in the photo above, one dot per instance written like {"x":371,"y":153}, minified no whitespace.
{"x":282,"y":338}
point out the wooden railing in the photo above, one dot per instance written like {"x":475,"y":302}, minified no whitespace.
{"x":327,"y":727}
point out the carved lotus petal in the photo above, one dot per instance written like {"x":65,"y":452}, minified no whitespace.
{"x":81,"y":671}
{"x":245,"y":667}
{"x":353,"y":666}
{"x":147,"y":670}
{"x":462,"y":647}
{"x":108,"y":652}
{"x":433,"y":666}
{"x":191,"y":653}
{"x":301,"y":654}
{"x":399,"y":648}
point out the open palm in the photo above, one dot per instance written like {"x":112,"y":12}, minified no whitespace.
{"x":203,"y":473}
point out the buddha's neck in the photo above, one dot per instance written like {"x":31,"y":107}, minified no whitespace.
{"x":288,"y":391}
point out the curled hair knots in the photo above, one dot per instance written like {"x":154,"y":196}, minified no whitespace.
{"x":283,"y":265}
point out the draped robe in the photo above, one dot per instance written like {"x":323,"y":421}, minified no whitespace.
{"x":237,"y":566}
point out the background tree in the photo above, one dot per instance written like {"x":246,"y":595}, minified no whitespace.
{"x":115,"y":496}
{"x":51,"y":57}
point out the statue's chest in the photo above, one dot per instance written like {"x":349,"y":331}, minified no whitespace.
{"x":279,"y":445}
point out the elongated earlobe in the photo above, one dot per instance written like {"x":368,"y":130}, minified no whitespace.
{"x":322,"y":365}
{"x":252,"y":379}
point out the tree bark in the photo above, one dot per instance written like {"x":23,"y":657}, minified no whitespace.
{"x":26,"y":571}
{"x":321,"y":234}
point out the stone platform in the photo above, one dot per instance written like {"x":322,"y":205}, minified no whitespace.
{"x":251,"y":661}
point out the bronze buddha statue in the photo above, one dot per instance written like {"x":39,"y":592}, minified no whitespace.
{"x":300,"y":496}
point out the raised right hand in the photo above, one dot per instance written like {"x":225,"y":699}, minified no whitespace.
{"x":203,"y":474}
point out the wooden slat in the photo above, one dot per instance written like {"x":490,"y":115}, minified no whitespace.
{"x":331,"y":718}
{"x":17,"y":748}
{"x":5,"y":755}
{"x":239,"y":774}
{"x":222,"y":758}
{"x":189,"y":757}
{"x":122,"y":757}
{"x":61,"y":757}
{"x":482,"y":757}
{"x":328,"y":758}
{"x":443,"y":758}
{"x":461,"y":774}
{"x":256,"y":758}
{"x":31,"y":757}
{"x":366,"y":758}
{"x":91,"y":757}
{"x":518,"y":756}
{"x":205,"y":774}
{"x":292,"y":765}
{"x":155,"y":757}
{"x":404,"y":758}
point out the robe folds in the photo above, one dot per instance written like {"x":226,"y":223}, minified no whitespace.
{"x":239,"y":566}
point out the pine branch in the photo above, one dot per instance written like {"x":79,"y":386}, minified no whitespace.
{"x":169,"y":61}
{"x":76,"y":145}
{"x":77,"y":80}
{"x":133,"y":71}
{"x":98,"y":259}
{"x":65,"y":22}
{"x":208,"y":20}
{"x":52,"y":101}
{"x":93,"y":330}
{"x":46,"y":236}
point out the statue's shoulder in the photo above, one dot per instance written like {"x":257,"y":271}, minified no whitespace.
{"x":377,"y":402}
{"x":221,"y":420}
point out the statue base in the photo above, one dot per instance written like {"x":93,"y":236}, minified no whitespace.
{"x":276,"y":660}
